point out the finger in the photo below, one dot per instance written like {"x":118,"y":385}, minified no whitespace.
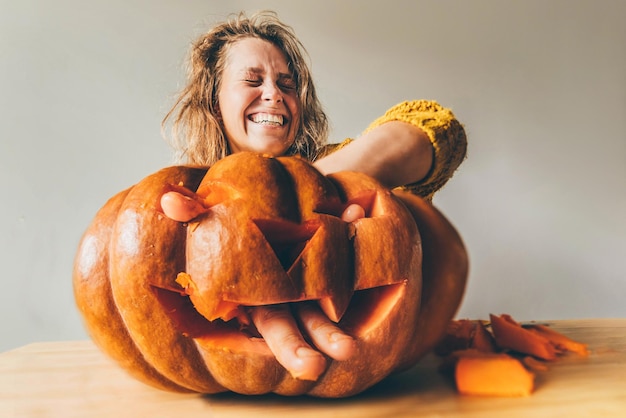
{"x":352,"y":213}
{"x":181,"y":208}
{"x":279,"y":329}
{"x":324,"y":333}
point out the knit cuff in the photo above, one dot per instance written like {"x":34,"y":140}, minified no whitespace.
{"x":445,"y":133}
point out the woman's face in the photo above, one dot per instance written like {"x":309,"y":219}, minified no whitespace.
{"x":258,"y":101}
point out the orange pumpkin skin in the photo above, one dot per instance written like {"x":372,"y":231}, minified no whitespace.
{"x":272,"y":235}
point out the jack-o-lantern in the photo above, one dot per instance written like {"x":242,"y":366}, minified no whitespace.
{"x":166,"y":299}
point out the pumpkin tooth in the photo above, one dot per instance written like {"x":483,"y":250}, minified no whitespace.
{"x":332,"y":309}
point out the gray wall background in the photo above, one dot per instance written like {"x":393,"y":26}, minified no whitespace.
{"x":539,"y":84}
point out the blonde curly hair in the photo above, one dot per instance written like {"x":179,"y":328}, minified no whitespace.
{"x":197,"y":134}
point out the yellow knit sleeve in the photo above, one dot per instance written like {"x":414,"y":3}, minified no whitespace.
{"x":445,"y":132}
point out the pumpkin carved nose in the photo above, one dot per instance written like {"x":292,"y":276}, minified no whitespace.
{"x":286,"y":238}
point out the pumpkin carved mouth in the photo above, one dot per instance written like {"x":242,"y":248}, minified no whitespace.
{"x":366,"y":310}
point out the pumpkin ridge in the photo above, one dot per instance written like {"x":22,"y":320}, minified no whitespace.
{"x":94,"y":299}
{"x":141,"y":230}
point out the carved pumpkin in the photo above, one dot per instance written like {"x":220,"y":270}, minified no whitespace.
{"x":165,"y":298}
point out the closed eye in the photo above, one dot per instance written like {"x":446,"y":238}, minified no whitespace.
{"x":287,"y":83}
{"x":287,"y":87}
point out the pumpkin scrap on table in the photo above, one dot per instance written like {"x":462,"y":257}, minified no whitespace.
{"x":500,"y":357}
{"x":167,"y":298}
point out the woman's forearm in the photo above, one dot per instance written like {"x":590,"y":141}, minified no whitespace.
{"x":395,"y":153}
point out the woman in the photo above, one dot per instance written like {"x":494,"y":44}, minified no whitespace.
{"x":250,"y":89}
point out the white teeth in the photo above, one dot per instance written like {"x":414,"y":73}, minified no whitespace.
{"x":267,"y":118}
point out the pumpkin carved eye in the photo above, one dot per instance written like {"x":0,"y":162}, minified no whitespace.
{"x":173,"y":310}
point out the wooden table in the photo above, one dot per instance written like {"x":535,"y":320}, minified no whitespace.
{"x":73,"y":379}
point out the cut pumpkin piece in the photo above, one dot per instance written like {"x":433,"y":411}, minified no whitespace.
{"x":560,"y":341}
{"x":511,"y":335}
{"x":491,"y":374}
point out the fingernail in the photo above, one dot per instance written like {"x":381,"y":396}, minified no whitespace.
{"x":304,"y":352}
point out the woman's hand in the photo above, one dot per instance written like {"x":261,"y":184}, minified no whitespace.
{"x":182,"y":206}
{"x":284,"y":330}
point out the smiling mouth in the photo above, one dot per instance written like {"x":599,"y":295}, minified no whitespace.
{"x":267,"y":119}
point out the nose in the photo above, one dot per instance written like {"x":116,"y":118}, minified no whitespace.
{"x":272,"y":93}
